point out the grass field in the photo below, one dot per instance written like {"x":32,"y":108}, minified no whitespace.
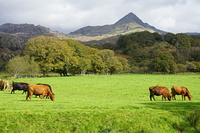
{"x":102,"y":104}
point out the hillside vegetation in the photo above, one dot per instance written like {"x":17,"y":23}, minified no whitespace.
{"x":66,"y":57}
{"x":151,"y":52}
{"x":140,"y":52}
{"x":103,"y":103}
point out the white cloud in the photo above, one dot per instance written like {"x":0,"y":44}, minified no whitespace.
{"x":67,"y":15}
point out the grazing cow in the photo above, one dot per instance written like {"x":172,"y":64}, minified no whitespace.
{"x":42,"y":90}
{"x":179,"y":90}
{"x":6,"y":85}
{"x":46,"y":85}
{"x":19,"y":86}
{"x":159,"y":90}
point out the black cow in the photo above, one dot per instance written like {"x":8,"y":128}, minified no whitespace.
{"x":20,"y":86}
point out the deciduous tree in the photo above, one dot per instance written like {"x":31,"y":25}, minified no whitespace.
{"x":24,"y":65}
{"x":164,"y":62}
{"x":51,"y":54}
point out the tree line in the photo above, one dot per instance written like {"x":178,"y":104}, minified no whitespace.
{"x":154,"y":53}
{"x":140,"y":52}
{"x":66,"y":57}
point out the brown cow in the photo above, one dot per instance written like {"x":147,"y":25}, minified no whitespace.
{"x":159,"y":90}
{"x":42,"y":90}
{"x":6,"y":85}
{"x":180,"y":90}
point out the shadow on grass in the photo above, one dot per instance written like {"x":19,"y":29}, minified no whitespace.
{"x":190,"y":112}
{"x":174,"y":106}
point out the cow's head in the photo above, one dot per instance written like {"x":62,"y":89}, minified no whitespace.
{"x":169,"y":98}
{"x":190,"y":97}
{"x":52,"y":96}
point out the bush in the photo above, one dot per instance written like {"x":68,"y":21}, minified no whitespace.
{"x":181,"y":68}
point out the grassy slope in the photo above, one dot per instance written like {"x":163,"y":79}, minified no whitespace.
{"x":103,"y":103}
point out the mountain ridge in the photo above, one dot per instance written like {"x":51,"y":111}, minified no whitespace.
{"x":28,"y":31}
{"x":130,"y":23}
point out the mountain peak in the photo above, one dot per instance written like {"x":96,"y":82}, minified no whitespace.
{"x":129,"y":18}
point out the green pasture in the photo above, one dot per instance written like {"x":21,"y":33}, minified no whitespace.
{"x":102,"y":104}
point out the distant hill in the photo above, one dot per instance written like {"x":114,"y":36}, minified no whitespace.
{"x":128,"y":24}
{"x":10,"y":46}
{"x":11,"y":43}
{"x":27,"y":31}
{"x":14,"y":36}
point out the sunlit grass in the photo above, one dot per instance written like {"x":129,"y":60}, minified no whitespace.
{"x":99,"y":103}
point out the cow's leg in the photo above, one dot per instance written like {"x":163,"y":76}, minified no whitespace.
{"x":13,"y":91}
{"x":182,"y":97}
{"x":4,"y":86}
{"x":154,"y":98}
{"x":163,"y":98}
{"x":30,"y":95}
{"x":27,"y":96}
{"x":173,"y":97}
{"x":42,"y":96}
{"x":150,"y":98}
{"x":24,"y":92}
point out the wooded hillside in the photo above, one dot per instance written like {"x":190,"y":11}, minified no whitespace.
{"x":151,"y":52}
{"x":140,"y":52}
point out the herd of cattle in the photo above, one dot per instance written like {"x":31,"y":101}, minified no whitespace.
{"x":164,"y":91}
{"x":44,"y":90}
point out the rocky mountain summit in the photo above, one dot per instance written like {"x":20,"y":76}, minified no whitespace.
{"x":126,"y":25}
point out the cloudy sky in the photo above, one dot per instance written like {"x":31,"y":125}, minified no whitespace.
{"x":69,"y":15}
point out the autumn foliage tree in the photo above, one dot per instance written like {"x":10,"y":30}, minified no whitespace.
{"x":51,"y":54}
{"x":67,"y":56}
